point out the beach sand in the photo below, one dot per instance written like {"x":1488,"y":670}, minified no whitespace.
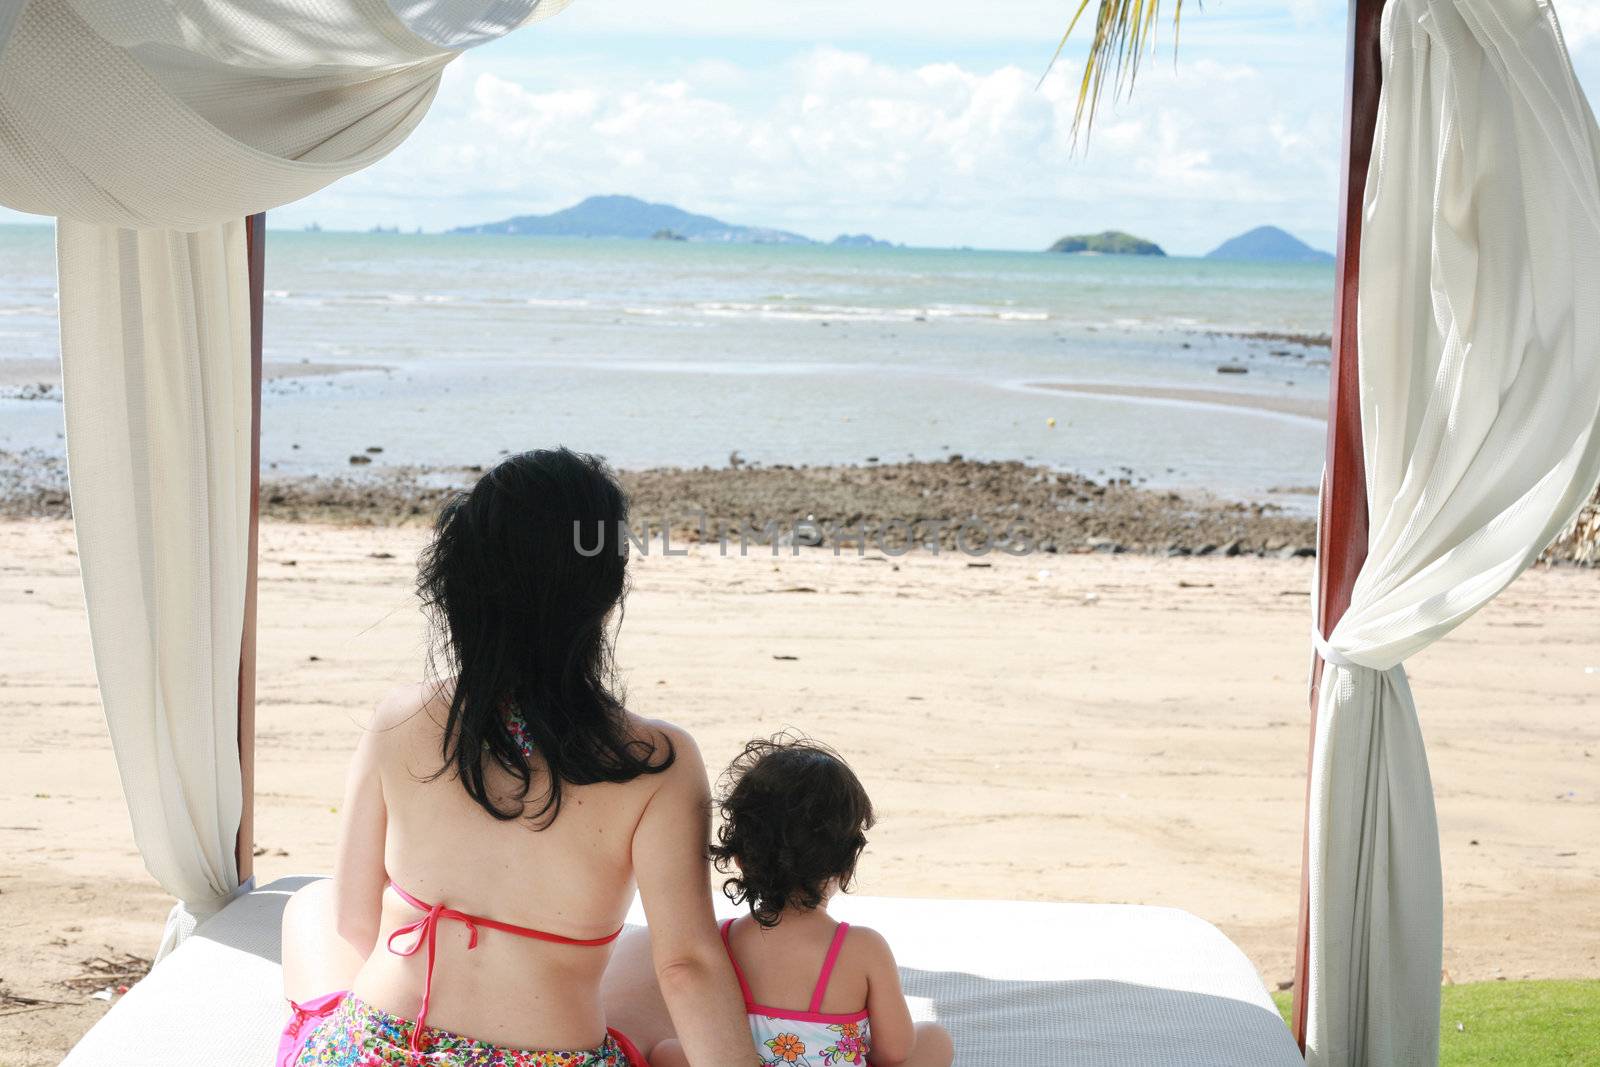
{"x":1080,"y":727}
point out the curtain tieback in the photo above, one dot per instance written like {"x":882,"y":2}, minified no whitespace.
{"x":1330,"y":654}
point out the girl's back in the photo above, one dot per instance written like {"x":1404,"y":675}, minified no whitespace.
{"x":806,"y":984}
{"x":817,"y":993}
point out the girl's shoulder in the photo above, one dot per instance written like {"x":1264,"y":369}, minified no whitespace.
{"x":865,"y":952}
{"x":867,"y":944}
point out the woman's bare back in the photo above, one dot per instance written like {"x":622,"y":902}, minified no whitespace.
{"x":572,"y":878}
{"x":523,"y":618}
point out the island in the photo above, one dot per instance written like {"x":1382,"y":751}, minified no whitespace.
{"x":627,"y":216}
{"x":861,"y":240}
{"x":1268,"y":244}
{"x":1109,"y":243}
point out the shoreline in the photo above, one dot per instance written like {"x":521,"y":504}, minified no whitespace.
{"x":969,"y":506}
{"x":977,"y":508}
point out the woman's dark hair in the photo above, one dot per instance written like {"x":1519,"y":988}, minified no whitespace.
{"x":519,"y":598}
{"x":794,"y":818}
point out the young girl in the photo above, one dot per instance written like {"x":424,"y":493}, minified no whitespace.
{"x":818,"y":993}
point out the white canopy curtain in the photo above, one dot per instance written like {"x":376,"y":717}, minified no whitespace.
{"x":151,"y":128}
{"x":1479,"y":365}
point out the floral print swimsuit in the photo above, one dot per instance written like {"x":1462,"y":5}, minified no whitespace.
{"x":339,"y":1030}
{"x":810,"y":1038}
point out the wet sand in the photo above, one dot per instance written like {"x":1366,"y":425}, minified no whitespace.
{"x":1308,"y":407}
{"x":41,"y":378}
{"x":1082,"y":727}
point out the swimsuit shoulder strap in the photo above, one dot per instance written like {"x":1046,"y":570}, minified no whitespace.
{"x":738,"y":972}
{"x":827,"y":967}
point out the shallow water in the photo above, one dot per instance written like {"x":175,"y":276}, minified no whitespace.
{"x":671,"y":353}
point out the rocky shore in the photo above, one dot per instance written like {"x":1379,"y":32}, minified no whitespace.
{"x":957,"y":505}
{"x":1305,"y":340}
{"x":964,"y":505}
{"x":970,"y":506}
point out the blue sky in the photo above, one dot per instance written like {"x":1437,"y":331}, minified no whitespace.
{"x":922,"y":122}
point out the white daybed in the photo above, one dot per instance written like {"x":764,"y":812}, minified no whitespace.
{"x":1073,"y":985}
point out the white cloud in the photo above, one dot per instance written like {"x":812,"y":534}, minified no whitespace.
{"x":815,"y":19}
{"x":954,"y":21}
{"x":925,"y":130}
{"x":835,"y":140}
{"x":1580,"y":21}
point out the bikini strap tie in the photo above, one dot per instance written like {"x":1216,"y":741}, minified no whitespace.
{"x":425,"y":932}
{"x":425,"y":935}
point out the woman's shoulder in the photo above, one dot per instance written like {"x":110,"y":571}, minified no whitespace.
{"x":665,"y":737}
{"x":655,"y":731}
{"x":671,"y":746}
{"x":405,"y":714}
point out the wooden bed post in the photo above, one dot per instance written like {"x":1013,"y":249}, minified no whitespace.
{"x":1342,"y":536}
{"x":255,"y":232}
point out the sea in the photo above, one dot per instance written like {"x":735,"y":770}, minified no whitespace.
{"x":447,"y":350}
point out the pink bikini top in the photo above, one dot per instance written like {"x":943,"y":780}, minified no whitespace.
{"x":426,"y":930}
{"x":814,"y":1013}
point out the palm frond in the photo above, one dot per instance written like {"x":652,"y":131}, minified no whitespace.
{"x":1124,"y":31}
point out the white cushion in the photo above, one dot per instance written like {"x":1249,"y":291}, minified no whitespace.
{"x":1034,"y":983}
{"x":216,"y":1000}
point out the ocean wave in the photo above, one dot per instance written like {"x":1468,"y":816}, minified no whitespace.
{"x":779,"y":307}
{"x":864,"y":312}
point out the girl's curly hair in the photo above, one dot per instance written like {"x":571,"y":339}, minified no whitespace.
{"x":794,"y":818}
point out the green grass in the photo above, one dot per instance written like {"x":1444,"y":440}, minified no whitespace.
{"x":1525,"y":1024}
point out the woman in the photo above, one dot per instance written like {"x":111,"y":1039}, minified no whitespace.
{"x":495,"y":822}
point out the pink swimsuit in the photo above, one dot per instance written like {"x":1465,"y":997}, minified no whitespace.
{"x":810,"y":1038}
{"x":338,"y":1030}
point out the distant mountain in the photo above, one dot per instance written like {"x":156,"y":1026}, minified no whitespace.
{"x":1110,"y":243}
{"x":860,"y":240}
{"x":626,"y":216}
{"x":1268,"y":244}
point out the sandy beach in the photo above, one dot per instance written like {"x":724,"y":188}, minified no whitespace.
{"x":1099,"y":727}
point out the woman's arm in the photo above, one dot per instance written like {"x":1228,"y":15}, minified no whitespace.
{"x":358,"y":869}
{"x":669,"y":862}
